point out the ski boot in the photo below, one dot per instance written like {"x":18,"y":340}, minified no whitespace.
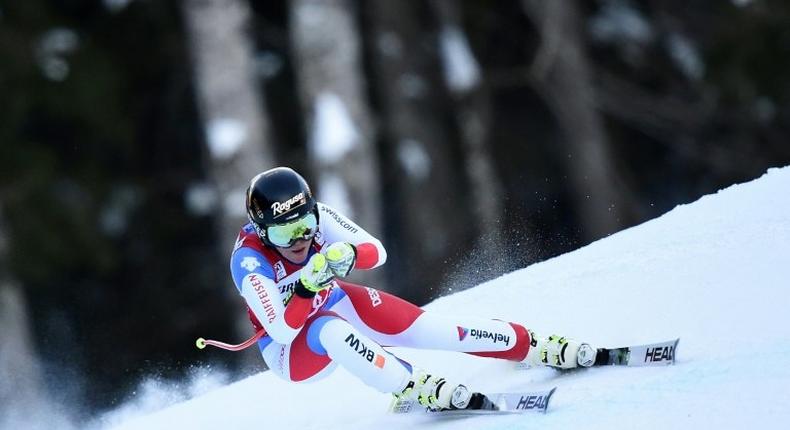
{"x":559,"y":352}
{"x":436,"y":393}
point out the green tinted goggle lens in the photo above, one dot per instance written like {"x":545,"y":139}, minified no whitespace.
{"x":284,"y":235}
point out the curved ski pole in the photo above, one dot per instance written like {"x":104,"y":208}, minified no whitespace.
{"x":201,"y":343}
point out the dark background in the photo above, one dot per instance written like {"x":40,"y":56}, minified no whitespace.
{"x":101,"y":138}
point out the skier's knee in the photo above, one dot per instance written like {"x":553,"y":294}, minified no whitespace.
{"x":315,"y":325}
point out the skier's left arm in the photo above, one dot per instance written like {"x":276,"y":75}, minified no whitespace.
{"x":254,"y":278}
{"x":350,"y":246}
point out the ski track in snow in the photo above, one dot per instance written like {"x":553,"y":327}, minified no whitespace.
{"x":714,"y":273}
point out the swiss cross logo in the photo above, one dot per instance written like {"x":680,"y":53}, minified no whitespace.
{"x":250,"y":263}
{"x":462,"y":332}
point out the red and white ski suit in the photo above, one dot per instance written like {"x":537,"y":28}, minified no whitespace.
{"x":349,"y":324}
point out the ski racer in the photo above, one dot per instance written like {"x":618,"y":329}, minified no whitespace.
{"x":289,"y":262}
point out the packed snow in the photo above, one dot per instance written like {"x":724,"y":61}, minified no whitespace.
{"x":334,"y":134}
{"x":226,"y":136}
{"x":714,"y":273}
{"x":461,"y":71}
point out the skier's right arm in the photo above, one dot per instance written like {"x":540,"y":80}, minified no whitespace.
{"x":254,"y":278}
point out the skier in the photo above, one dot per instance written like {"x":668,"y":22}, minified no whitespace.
{"x":288,"y":263}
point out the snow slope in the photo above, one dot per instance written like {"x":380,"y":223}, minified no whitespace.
{"x":715,"y":273}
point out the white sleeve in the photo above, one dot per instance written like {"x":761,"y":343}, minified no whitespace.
{"x":335,"y":227}
{"x":263,"y":297}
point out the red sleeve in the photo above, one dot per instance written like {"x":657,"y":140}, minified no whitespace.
{"x":367,"y":256}
{"x":297,"y":311}
{"x":256,"y":324}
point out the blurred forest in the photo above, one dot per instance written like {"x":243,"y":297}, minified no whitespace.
{"x":473,"y":137}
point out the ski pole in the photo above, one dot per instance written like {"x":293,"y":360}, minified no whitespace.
{"x":201,"y":343}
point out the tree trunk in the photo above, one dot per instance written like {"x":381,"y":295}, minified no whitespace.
{"x":21,"y":393}
{"x":472,"y":109}
{"x":561,"y":73}
{"x":232,"y":110}
{"x":426,"y":198}
{"x":234,"y":117}
{"x":342,"y":151}
{"x":23,"y":396}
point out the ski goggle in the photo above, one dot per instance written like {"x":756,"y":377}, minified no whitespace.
{"x":285,"y":235}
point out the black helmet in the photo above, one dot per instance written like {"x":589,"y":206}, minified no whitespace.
{"x":278,"y":196}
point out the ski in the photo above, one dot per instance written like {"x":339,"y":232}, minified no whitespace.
{"x":653,"y":354}
{"x":483,"y":404}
